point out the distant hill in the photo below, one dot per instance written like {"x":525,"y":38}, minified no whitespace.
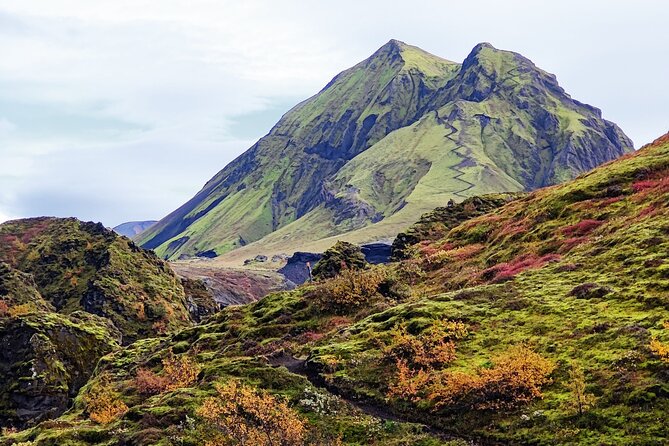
{"x":133,"y":228}
{"x":396,"y":135}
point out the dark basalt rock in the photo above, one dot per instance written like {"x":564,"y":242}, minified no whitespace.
{"x":376,"y":253}
{"x":45,"y":358}
{"x":296,"y":269}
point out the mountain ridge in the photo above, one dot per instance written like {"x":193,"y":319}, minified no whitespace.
{"x":495,"y":123}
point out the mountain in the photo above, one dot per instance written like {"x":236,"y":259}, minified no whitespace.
{"x":133,"y":228}
{"x":396,"y":135}
{"x":537,"y":319}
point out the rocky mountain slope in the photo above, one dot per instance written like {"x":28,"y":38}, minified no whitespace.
{"x":542,"y":321}
{"x":71,"y":292}
{"x":396,"y":135}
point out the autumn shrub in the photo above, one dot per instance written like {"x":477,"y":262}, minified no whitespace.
{"x":514,"y":379}
{"x":178,"y":372}
{"x":581,"y":400}
{"x":4,"y":309}
{"x":409,"y":383}
{"x":660,"y":350}
{"x":103,"y":403}
{"x":433,"y":347}
{"x":149,"y":383}
{"x":241,"y":415}
{"x":350,"y":289}
{"x":20,"y":310}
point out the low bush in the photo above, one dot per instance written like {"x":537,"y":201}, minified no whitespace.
{"x":103,"y":403}
{"x":348,"y":290}
{"x":514,"y":379}
{"x":241,"y":415}
{"x":178,"y":372}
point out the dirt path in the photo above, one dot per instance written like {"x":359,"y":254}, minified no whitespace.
{"x":466,"y":159}
{"x":369,"y":407}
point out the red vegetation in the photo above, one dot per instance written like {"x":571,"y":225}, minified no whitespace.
{"x":149,"y":383}
{"x":649,"y":211}
{"x":4,"y":308}
{"x":513,"y":228}
{"x":607,"y":201}
{"x":582,"y":228}
{"x":570,"y":243}
{"x":508,"y":270}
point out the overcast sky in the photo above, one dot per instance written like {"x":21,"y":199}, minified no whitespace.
{"x":121,"y":110}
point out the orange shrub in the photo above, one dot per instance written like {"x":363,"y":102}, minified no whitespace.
{"x":433,"y":347}
{"x":516,"y":378}
{"x":660,"y":350}
{"x":103,"y":403}
{"x":239,"y":414}
{"x":21,"y":310}
{"x":408,"y":383}
{"x":178,"y":372}
{"x":4,"y":309}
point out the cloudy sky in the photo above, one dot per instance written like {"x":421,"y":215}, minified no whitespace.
{"x":121,"y":110}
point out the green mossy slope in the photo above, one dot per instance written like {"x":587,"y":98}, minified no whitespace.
{"x":576,"y":274}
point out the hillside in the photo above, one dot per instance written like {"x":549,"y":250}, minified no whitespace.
{"x":71,"y":292}
{"x":543,"y":321}
{"x":396,"y":135}
{"x":133,"y":228}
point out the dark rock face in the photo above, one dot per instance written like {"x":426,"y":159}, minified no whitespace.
{"x":71,"y":293}
{"x":376,"y":253}
{"x":296,"y":269}
{"x":45,"y":359}
{"x":84,"y":266}
{"x":201,"y":301}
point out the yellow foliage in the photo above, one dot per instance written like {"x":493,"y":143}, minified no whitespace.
{"x":581,"y":400}
{"x":660,"y":350}
{"x":103,"y":403}
{"x":180,"y":371}
{"x":21,"y":310}
{"x":516,"y":378}
{"x":408,"y":383}
{"x":240,"y":415}
{"x":433,"y":347}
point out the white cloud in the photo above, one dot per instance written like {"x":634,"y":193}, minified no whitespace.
{"x":121,"y":110}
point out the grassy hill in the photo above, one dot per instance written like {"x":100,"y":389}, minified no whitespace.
{"x":386,"y":140}
{"x":71,"y":292}
{"x":542,"y":321}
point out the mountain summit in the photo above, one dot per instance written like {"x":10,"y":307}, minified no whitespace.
{"x":398,"y":134}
